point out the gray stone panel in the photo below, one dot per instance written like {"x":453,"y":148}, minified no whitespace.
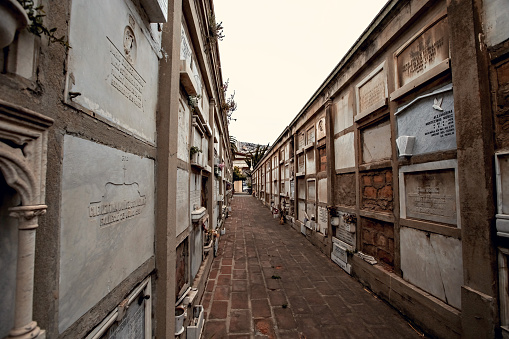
{"x":430,"y":118}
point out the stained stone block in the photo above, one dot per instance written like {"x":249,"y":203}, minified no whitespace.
{"x":376,"y":142}
{"x":107,"y":223}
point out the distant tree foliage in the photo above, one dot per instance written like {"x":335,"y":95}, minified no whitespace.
{"x":254,"y":157}
{"x":237,"y":174}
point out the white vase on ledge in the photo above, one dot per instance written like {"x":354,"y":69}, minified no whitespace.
{"x":405,"y":145}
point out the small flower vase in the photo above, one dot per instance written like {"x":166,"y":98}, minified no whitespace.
{"x":405,"y":145}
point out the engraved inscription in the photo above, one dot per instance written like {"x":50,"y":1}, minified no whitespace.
{"x":116,"y":211}
{"x":428,"y":50}
{"x":372,"y":92}
{"x":431,"y":119}
{"x":323,"y":215}
{"x":441,"y":125}
{"x":125,"y":78}
{"x":431,"y":195}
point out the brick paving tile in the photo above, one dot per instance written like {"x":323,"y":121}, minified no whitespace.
{"x":215,"y":329}
{"x":222,"y":293}
{"x":239,"y":285}
{"x":219,"y":310}
{"x":260,"y":308}
{"x":240,"y":321}
{"x":239,"y":300}
{"x":239,"y":274}
{"x":226,"y":269}
{"x":268,"y":281}
{"x":264,"y":328}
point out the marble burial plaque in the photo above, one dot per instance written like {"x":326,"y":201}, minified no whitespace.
{"x":434,"y":263}
{"x":301,"y":163}
{"x":323,"y":219}
{"x":183,"y":133}
{"x":310,"y":162}
{"x":312,"y":190}
{"x":496,"y":23}
{"x":114,"y":64}
{"x":107,"y":223}
{"x":372,"y":91}
{"x":302,"y":140}
{"x":320,"y":129}
{"x":376,"y":142}
{"x":423,"y":53}
{"x":345,"y":151}
{"x":322,"y":190}
{"x":310,"y":136}
{"x":431,"y":195}
{"x":302,"y":210}
{"x":183,"y":211}
{"x":430,"y":119}
{"x":343,"y":115}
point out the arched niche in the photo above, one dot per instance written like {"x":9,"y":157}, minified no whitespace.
{"x":23,"y":143}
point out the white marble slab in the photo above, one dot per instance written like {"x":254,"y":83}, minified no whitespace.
{"x":496,"y":21}
{"x":434,"y":263}
{"x":183,"y":208}
{"x":344,"y":151}
{"x":343,"y":115}
{"x":107,"y":223}
{"x":322,"y":190}
{"x":183,"y":132}
{"x":113,"y":64}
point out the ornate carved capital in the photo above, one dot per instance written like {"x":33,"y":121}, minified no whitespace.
{"x":27,"y":215}
{"x":328,"y":103}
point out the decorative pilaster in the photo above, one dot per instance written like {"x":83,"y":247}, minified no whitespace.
{"x":28,"y":218}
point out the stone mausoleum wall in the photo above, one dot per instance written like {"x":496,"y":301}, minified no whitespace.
{"x":401,"y":163}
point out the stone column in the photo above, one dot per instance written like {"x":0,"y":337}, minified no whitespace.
{"x":331,"y":163}
{"x":24,"y":326}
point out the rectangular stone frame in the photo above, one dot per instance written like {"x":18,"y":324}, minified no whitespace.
{"x":377,"y":105}
{"x":426,"y":76}
{"x":425,"y":224}
{"x":116,"y":315}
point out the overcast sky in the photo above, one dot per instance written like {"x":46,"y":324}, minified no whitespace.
{"x":277,"y":53}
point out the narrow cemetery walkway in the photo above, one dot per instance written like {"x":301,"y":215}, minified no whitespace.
{"x":268,"y":281}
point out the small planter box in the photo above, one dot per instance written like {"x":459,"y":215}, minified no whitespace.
{"x":194,"y":330}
